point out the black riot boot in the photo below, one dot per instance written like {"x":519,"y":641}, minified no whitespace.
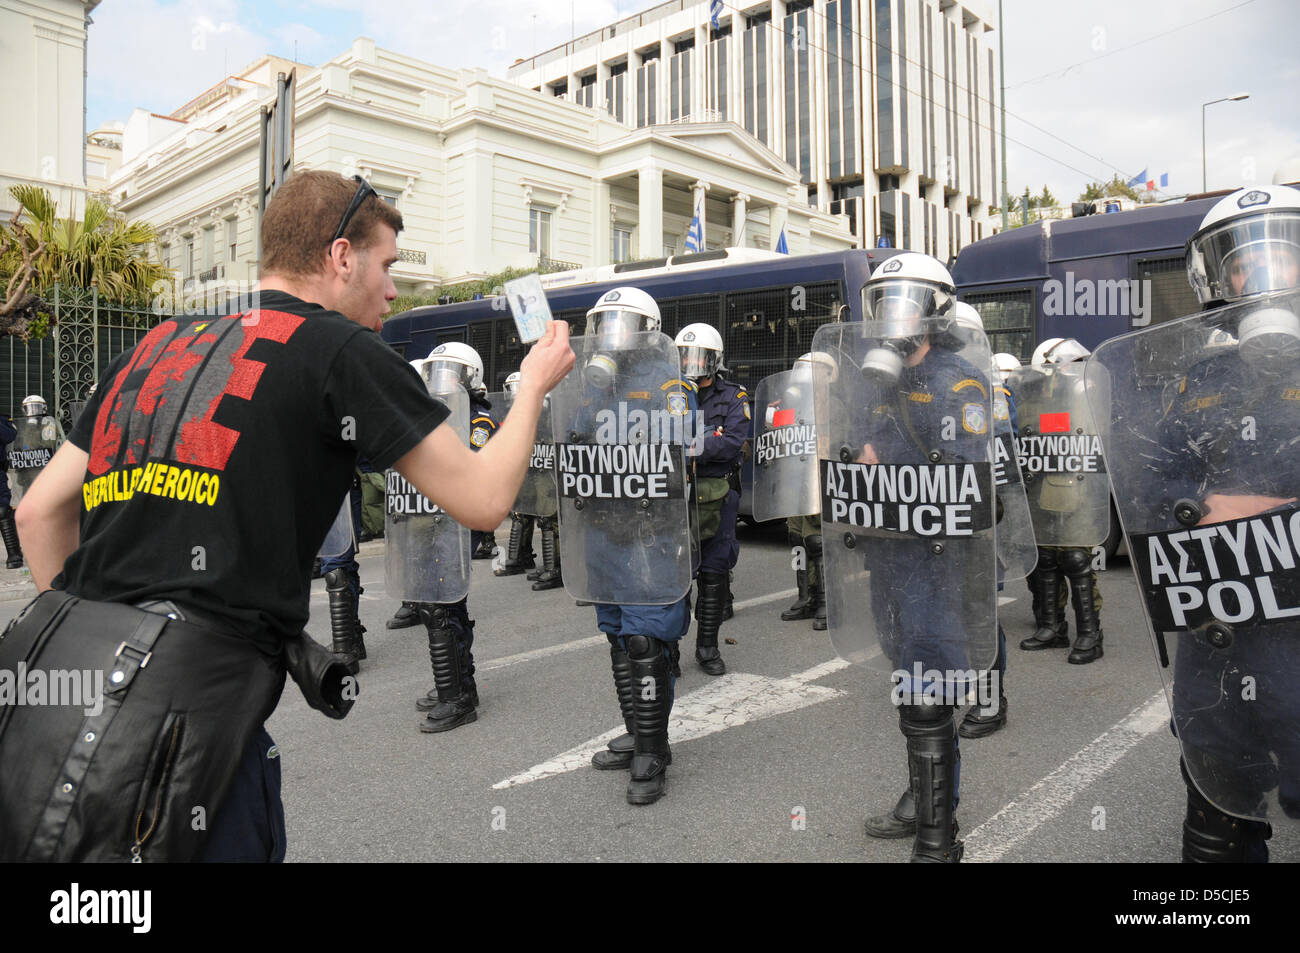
{"x":342,"y":620}
{"x":983,"y":720}
{"x":1212,"y":837}
{"x":516,"y":562}
{"x":428,"y":702}
{"x":619,"y":753}
{"x":803,"y":607}
{"x":1077,"y":564}
{"x":708,"y":615}
{"x":1049,"y":615}
{"x":486,"y":548}
{"x":817,"y":580}
{"x":549,"y":577}
{"x":454,"y":707}
{"x":404,"y":617}
{"x":900,"y":822}
{"x":9,"y":532}
{"x":652,"y":700}
{"x":932,"y":764}
{"x":728,"y":600}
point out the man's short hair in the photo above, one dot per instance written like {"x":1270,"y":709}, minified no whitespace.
{"x":301,"y":220}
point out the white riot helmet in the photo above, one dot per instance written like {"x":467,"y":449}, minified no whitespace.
{"x":903,"y":294}
{"x":612,"y":324}
{"x":967,"y":317}
{"x":700,"y":347}
{"x":1058,"y":351}
{"x":35,"y":406}
{"x":511,"y":386}
{"x":817,"y":364}
{"x":453,"y":362}
{"x":1248,"y":244}
{"x":1005,"y":364}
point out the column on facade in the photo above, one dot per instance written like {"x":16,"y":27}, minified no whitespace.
{"x":477,"y":220}
{"x":650,"y":211}
{"x":739,"y":210}
{"x":700,"y":206}
{"x":602,"y":223}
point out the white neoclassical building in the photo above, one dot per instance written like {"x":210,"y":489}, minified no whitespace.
{"x":43,"y":112}
{"x":885,"y":107}
{"x":487,"y":174}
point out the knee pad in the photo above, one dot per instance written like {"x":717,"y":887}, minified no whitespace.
{"x":1076,"y":562}
{"x":644,"y":646}
{"x":1047,"y":560}
{"x":814,"y":545}
{"x":434,"y":616}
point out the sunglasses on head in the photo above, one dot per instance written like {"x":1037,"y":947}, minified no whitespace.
{"x":363,"y":190}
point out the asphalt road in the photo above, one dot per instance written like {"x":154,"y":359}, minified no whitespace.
{"x":781,"y":759}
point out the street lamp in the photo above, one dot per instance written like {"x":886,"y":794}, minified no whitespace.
{"x":1225,"y":99}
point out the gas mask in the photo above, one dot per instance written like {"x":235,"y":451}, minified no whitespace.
{"x":615,"y":335}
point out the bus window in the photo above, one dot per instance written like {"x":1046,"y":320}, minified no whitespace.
{"x":1008,"y":320}
{"x":1169,"y":294}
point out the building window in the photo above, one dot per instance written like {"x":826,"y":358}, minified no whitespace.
{"x":622,"y":245}
{"x":232,"y":239}
{"x":539,"y":231}
{"x":670,"y":246}
{"x":209,"y":243}
{"x":388,"y":195}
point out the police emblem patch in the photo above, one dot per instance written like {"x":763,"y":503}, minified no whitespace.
{"x":972,"y":418}
{"x":439,"y":349}
{"x":1000,"y":411}
{"x":677,"y":405}
{"x":1252,"y":198}
{"x":479,"y":436}
{"x":611,"y":296}
{"x":892,"y":265}
{"x":688,"y":336}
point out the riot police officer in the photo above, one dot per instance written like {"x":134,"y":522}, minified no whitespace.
{"x":785,"y":474}
{"x":724,"y":409}
{"x":1071,"y":509}
{"x":39,"y":436}
{"x":917,"y":414}
{"x":8,"y":532}
{"x":520,"y":557}
{"x":429,"y":553}
{"x":622,"y":425}
{"x":1226,"y":474}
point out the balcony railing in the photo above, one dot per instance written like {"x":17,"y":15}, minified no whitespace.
{"x":547,"y":265}
{"x":411,"y":257}
{"x":209,"y":275}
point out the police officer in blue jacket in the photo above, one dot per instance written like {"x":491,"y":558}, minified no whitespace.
{"x":725,"y":417}
{"x":8,"y":531}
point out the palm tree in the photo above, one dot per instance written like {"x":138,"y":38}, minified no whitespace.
{"x":101,"y":251}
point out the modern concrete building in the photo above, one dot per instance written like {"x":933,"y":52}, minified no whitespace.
{"x":43,"y":118}
{"x":885,"y":107}
{"x":487,"y":174}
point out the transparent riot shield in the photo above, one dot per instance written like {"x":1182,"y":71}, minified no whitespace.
{"x":427,"y":558}
{"x":621,"y":424}
{"x":38,"y":438}
{"x":341,"y":536}
{"x":537,"y":493}
{"x":1059,"y":446}
{"x":907,"y":501}
{"x":1203,"y":455}
{"x":785,"y":445}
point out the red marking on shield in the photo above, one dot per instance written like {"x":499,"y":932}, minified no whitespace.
{"x":1054,"y":423}
{"x":783,"y":418}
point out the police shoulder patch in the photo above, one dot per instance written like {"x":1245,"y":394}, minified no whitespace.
{"x":972,"y":418}
{"x":677,"y":404}
{"x":478,"y":436}
{"x":966,"y":382}
{"x":1000,"y":410}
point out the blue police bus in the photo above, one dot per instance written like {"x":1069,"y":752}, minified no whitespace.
{"x":767,"y":306}
{"x":1088,"y":278}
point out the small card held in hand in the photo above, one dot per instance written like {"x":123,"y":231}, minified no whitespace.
{"x":528,"y":304}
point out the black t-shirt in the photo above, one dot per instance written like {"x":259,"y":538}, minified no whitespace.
{"x":219,"y":450}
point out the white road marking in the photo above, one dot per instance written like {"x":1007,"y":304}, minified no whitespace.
{"x":1054,"y":793}
{"x":724,"y":703}
{"x":1004,"y":600}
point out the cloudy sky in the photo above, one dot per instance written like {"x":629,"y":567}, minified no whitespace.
{"x":1109,"y":84}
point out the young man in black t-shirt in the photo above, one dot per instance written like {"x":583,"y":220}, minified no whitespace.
{"x":198,"y":485}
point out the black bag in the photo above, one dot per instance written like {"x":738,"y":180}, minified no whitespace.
{"x":143,"y":777}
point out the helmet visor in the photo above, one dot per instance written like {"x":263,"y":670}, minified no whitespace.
{"x":1246,"y":257}
{"x":614,"y":329}
{"x":698,"y":361}
{"x":444,"y":377}
{"x":901,"y":307}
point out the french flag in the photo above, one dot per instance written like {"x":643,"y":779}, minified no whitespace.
{"x":1164,"y":182}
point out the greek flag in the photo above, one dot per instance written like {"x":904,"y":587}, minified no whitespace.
{"x":695,"y":234}
{"x":781,"y":246}
{"x":715,"y":11}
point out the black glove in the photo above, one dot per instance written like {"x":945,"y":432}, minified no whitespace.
{"x":320,"y":675}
